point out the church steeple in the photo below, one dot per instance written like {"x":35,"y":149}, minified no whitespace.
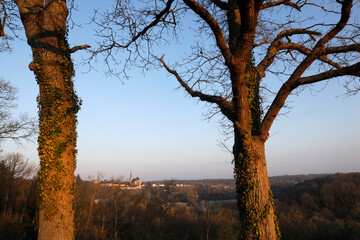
{"x":130,"y":179}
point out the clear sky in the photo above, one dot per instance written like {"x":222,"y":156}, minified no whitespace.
{"x":145,"y":125}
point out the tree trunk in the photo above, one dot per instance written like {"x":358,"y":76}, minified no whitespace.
{"x":45,"y":28}
{"x":254,"y":197}
{"x":57,"y":115}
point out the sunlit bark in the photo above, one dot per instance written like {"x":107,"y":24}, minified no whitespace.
{"x":45,"y":28}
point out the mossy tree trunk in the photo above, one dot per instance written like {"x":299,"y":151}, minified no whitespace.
{"x":254,"y":197}
{"x":45,"y":27}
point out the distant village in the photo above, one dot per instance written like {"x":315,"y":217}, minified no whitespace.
{"x":136,"y":183}
{"x":132,"y":184}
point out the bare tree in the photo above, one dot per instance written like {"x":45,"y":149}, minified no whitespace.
{"x":15,"y":129}
{"x":239,"y":47}
{"x":45,"y":25}
{"x":14,"y":172}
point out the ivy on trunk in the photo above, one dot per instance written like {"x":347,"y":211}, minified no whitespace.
{"x":46,"y":31}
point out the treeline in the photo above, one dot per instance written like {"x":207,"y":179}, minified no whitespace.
{"x":151,"y":213}
{"x":321,"y":208}
{"x":293,"y":179}
{"x":275,"y":180}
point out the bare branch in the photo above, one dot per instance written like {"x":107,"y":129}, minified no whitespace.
{"x":277,"y":45}
{"x":293,"y":81}
{"x":352,"y":88}
{"x":76,"y":48}
{"x":2,"y":33}
{"x":323,"y":8}
{"x":305,"y":51}
{"x":343,"y":49}
{"x":281,"y":2}
{"x":22,"y":128}
{"x":318,"y":50}
{"x":221,"y":4}
{"x":8,"y":19}
{"x":2,"y":21}
{"x":32,"y":66}
{"x":220,"y":39}
{"x":225,"y":106}
{"x":158,"y":18}
{"x":353,"y":70}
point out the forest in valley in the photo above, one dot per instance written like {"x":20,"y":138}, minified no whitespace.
{"x":307,"y":206}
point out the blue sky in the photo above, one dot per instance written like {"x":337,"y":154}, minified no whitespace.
{"x":145,"y":125}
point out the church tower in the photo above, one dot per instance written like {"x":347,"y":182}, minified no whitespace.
{"x":130,"y":179}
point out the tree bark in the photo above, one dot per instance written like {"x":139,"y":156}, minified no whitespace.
{"x":45,"y":28}
{"x":254,"y":197}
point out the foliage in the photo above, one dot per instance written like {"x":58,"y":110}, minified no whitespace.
{"x":56,"y":110}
